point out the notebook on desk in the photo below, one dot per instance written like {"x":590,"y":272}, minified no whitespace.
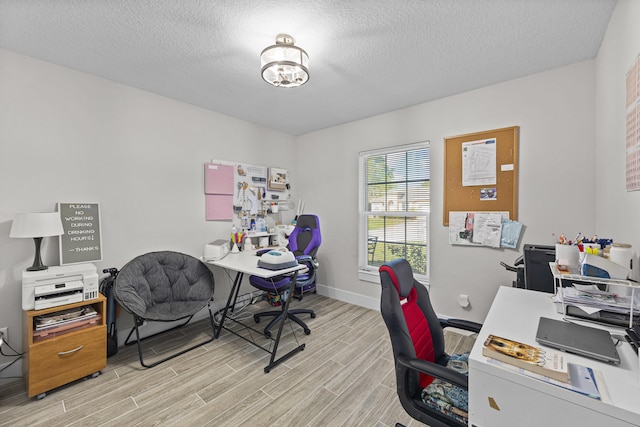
{"x":573,"y":338}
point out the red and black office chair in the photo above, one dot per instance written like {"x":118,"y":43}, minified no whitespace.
{"x":304,"y":242}
{"x":418,"y":344}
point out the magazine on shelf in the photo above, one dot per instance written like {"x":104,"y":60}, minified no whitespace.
{"x":52,"y":320}
{"x":545,"y":362}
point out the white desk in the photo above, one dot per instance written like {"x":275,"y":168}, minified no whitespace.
{"x":499,"y":397}
{"x":247,"y":263}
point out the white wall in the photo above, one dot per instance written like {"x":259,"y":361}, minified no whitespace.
{"x":617,"y":210}
{"x":72,"y":137}
{"x":555,"y":112}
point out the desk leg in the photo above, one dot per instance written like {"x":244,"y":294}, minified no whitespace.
{"x":273,"y":362}
{"x":232,"y":297}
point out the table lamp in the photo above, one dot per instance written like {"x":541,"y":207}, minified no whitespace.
{"x":37,"y":226}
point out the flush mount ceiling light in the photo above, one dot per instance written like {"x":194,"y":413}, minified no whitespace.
{"x":283,"y":64}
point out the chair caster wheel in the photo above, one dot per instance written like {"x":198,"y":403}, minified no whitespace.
{"x":256,"y":319}
{"x":267,"y":334}
{"x":307,"y":331}
{"x":313,"y":315}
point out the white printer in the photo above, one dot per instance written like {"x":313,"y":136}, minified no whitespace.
{"x":216,"y":250}
{"x":59,"y":286}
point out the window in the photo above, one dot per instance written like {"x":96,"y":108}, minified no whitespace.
{"x":395,"y":196}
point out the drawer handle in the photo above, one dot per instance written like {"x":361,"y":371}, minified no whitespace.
{"x":62,"y":353}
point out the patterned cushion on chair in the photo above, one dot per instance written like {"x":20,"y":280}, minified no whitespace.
{"x":448,"y":398}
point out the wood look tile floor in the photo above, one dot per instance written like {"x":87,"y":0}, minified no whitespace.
{"x":344,"y":377}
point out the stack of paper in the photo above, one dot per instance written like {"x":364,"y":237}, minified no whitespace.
{"x":63,"y":317}
{"x":591,"y":299}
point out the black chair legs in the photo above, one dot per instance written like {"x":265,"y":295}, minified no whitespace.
{"x":277,"y":316}
{"x":138,"y":341}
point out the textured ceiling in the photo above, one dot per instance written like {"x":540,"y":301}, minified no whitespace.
{"x":366,"y":56}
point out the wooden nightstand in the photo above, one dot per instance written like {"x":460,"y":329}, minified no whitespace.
{"x":63,"y":357}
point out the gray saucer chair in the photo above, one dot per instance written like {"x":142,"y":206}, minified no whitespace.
{"x":164,"y":286}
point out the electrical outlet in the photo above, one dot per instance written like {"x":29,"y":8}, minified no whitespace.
{"x":5,"y":333}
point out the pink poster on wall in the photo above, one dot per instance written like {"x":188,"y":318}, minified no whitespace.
{"x":218,"y":188}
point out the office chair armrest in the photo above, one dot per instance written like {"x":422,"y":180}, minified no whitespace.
{"x":307,"y":259}
{"x":435,"y":370}
{"x":467,"y":325}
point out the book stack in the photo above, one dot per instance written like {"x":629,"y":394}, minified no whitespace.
{"x":549,"y":363}
{"x":64,"y":321}
{"x":544,"y":365}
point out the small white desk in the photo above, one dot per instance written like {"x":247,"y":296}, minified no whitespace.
{"x":247,"y":263}
{"x":499,"y":397}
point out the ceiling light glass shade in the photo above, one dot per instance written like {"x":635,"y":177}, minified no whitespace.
{"x":283,"y":64}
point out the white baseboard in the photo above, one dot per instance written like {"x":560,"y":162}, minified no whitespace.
{"x":350,"y":297}
{"x":363,"y":301}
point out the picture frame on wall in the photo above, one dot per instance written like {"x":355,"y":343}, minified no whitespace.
{"x":81,"y":241}
{"x":277,"y":179}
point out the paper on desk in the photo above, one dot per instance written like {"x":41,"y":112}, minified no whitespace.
{"x":592,"y":300}
{"x":602,"y":386}
{"x":587,"y":309}
{"x":589,"y":288}
{"x":582,"y":379}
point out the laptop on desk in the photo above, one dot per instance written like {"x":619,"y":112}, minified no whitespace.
{"x":578,"y":339}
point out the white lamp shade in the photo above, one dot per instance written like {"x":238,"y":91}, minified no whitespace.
{"x":41,"y":224}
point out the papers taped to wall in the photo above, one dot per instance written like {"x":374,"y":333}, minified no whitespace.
{"x":492,"y":229}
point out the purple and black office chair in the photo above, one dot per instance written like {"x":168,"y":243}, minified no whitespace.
{"x":304,"y":242}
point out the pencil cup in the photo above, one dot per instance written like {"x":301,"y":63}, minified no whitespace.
{"x":568,"y":254}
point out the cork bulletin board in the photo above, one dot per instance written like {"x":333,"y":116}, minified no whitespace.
{"x":481,"y":172}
